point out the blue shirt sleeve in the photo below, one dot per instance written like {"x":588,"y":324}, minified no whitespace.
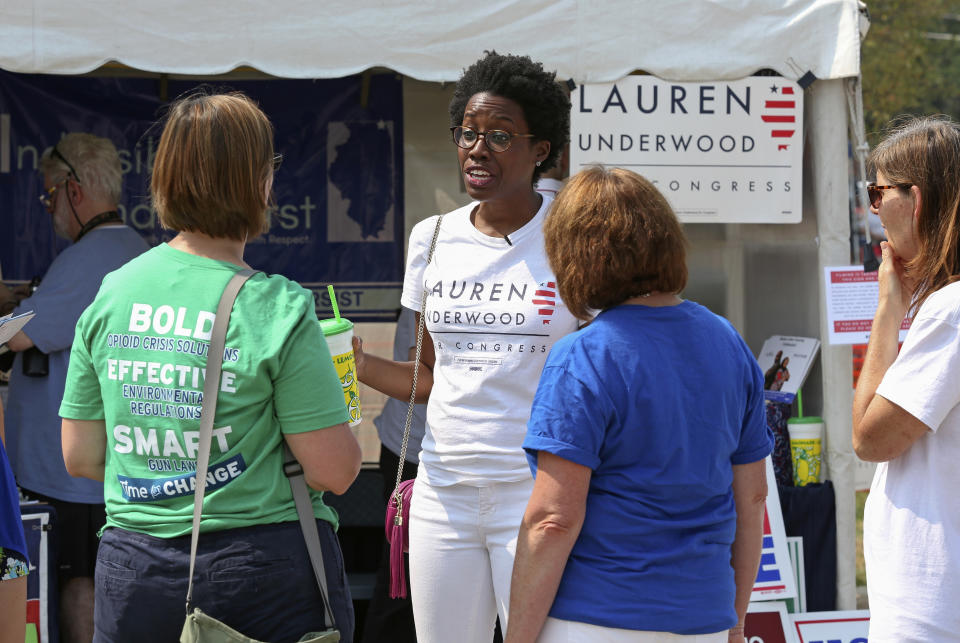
{"x":569,"y":418}
{"x":756,"y":438}
{"x":61,"y":297}
{"x":72,"y":282}
{"x":11,"y":525}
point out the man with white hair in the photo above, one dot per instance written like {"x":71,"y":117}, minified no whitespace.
{"x":82,"y":183}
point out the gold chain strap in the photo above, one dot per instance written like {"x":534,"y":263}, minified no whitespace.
{"x":413,"y":388}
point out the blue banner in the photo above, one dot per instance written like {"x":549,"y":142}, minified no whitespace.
{"x":339,"y":192}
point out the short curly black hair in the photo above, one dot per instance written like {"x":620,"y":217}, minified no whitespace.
{"x":545,"y":105}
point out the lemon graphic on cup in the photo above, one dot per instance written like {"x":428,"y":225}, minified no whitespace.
{"x":353,"y":407}
{"x":802,"y":465}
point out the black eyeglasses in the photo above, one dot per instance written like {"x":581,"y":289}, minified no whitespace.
{"x":47,"y":197}
{"x":875,"y":192}
{"x":56,"y":153}
{"x":498,"y":140}
{"x":277,"y":161}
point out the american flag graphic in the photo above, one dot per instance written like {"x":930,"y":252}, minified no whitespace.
{"x":780,"y":111}
{"x":546,"y":297}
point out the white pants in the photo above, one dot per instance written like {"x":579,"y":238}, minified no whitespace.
{"x":559,"y":631}
{"x":462,"y":543}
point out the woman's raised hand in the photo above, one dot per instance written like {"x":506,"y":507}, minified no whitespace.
{"x":896,"y":287}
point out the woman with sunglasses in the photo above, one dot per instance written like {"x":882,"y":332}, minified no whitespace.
{"x":492,"y":314}
{"x":134,"y":393}
{"x":906,"y":410}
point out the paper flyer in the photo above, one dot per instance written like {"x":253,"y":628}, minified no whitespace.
{"x":10,"y":326}
{"x":785,"y":362}
{"x":852,"y":296}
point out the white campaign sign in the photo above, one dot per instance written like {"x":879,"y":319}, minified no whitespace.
{"x":830,"y":627}
{"x":721,"y":151}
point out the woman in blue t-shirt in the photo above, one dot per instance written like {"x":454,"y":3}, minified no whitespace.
{"x":647,"y":438}
{"x":13,"y":555}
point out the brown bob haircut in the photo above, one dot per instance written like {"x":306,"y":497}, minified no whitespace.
{"x":212,"y":168}
{"x":610,"y":235}
{"x":925,"y":152}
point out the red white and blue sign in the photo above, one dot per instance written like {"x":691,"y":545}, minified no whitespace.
{"x":775,"y":577}
{"x":851,"y":626}
{"x":720,"y":151}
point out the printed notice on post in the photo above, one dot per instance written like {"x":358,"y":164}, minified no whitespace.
{"x":852,"y":296}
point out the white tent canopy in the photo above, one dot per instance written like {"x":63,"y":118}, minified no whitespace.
{"x":586,"y":40}
{"x":434,"y":40}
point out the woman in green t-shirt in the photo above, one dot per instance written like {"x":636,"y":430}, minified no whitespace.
{"x":132,"y":404}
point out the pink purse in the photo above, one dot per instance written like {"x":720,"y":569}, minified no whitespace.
{"x":397,"y":526}
{"x":397,"y":522}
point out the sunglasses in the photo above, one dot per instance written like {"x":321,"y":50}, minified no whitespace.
{"x":497,"y":140}
{"x":277,"y":161}
{"x":875,"y":192}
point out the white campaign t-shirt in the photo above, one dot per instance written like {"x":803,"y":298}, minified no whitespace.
{"x":912,"y":517}
{"x":493,"y":312}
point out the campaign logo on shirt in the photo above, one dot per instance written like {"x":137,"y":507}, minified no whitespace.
{"x":547,"y":300}
{"x":157,"y":489}
{"x":498,"y":318}
{"x":490,"y":306}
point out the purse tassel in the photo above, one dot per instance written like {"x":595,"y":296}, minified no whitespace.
{"x":398,"y":572}
{"x":397,"y":519}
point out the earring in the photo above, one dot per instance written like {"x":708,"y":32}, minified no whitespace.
{"x":538,"y":163}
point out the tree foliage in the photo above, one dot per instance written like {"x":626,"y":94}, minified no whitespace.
{"x":905,"y":69}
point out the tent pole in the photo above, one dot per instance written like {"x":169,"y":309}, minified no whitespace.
{"x":733,"y":265}
{"x":827,"y":117}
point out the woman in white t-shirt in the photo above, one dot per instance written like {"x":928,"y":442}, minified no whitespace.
{"x":492,"y":314}
{"x":906,"y":412}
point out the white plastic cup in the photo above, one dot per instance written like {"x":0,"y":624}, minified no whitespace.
{"x":806,"y":448}
{"x":339,"y":336}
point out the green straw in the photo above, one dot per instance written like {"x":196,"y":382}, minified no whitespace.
{"x":799,"y":403}
{"x":333,"y":301}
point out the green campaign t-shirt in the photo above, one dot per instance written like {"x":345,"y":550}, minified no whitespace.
{"x":138,"y":363}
